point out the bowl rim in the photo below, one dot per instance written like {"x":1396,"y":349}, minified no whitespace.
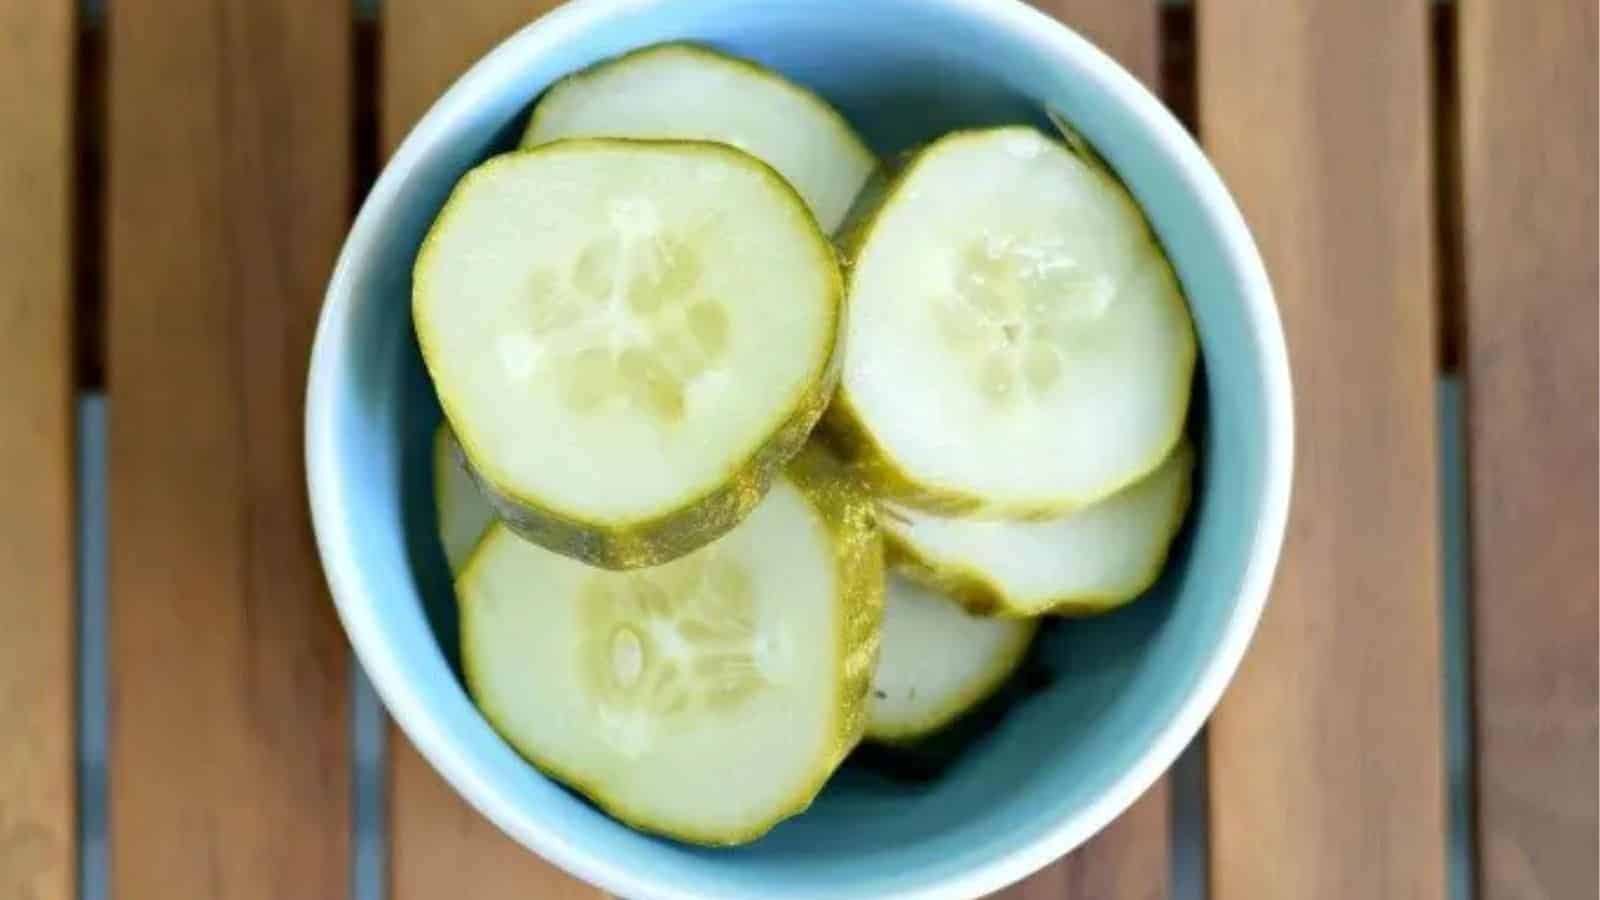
{"x":387,"y":671}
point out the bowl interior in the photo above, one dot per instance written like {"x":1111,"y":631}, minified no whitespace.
{"x":902,"y":71}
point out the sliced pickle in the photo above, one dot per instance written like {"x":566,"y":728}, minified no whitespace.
{"x":1018,"y":345}
{"x":938,"y":660}
{"x":706,"y":699}
{"x":629,"y":339}
{"x":1081,"y":564}
{"x":686,"y":91}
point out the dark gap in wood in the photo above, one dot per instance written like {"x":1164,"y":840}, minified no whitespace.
{"x":1455,"y":469}
{"x":1450,"y":293}
{"x":88,"y":200}
{"x":364,"y":107}
{"x":1178,"y":84}
{"x":368,"y":822}
{"x":1187,"y":798}
{"x":1454,"y":473}
{"x":1190,"y":801}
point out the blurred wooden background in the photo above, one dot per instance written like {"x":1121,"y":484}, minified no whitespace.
{"x":175,"y":179}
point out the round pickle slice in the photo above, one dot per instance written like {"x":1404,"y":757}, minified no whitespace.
{"x":938,"y":660}
{"x":462,"y":512}
{"x":629,"y":339}
{"x":706,"y":699}
{"x":1018,"y":345}
{"x":1081,"y":564}
{"x":687,"y":91}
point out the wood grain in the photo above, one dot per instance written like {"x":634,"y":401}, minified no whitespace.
{"x":38,"y":833}
{"x":440,"y":846}
{"x":427,"y":45}
{"x":227,"y":196}
{"x":1326,"y":754}
{"x":1528,"y":128}
{"x":1129,"y":860}
{"x":1127,"y":30}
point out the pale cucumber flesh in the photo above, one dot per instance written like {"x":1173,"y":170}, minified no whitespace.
{"x":1017,"y":342}
{"x":690,"y":92}
{"x":1082,"y":563}
{"x":937,"y":661}
{"x":624,"y":332}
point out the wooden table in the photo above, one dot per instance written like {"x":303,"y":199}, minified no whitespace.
{"x":175,"y":180}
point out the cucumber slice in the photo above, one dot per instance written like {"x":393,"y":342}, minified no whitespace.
{"x":1018,"y":344}
{"x":938,"y":660}
{"x":688,"y":91}
{"x":627,"y":357}
{"x":1081,"y":564}
{"x":706,"y":699}
{"x":462,"y":512}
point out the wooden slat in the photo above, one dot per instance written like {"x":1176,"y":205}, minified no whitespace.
{"x":228,"y":194}
{"x":440,"y":846}
{"x":427,"y":45}
{"x":1130,"y":859}
{"x":443,"y":848}
{"x":1128,"y":30}
{"x":1326,"y":755}
{"x":38,"y":834}
{"x":1127,"y":861}
{"x":1528,"y":95}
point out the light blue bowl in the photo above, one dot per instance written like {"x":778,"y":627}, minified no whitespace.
{"x":1135,"y":686}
